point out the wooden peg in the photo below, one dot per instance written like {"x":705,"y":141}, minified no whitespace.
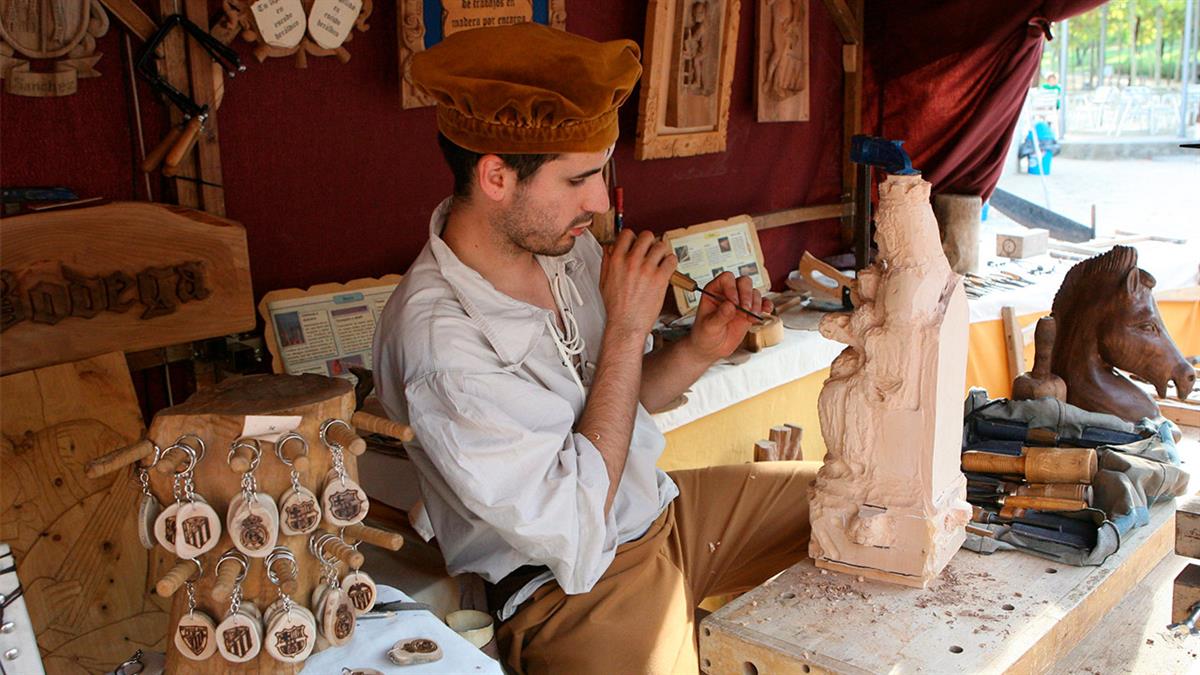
{"x":392,"y":541}
{"x":119,"y":458}
{"x":292,"y":451}
{"x":226,"y":579}
{"x":241,"y":458}
{"x":344,"y":552}
{"x":766,"y":451}
{"x":797,"y":447}
{"x":344,"y":436}
{"x":782,"y":437}
{"x":375,"y":424}
{"x":174,"y":578}
{"x":170,"y":462}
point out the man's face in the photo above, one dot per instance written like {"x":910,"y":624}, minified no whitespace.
{"x":555,"y":205}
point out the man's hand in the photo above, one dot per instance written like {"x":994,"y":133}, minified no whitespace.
{"x":719,"y":327}
{"x":633,"y":280}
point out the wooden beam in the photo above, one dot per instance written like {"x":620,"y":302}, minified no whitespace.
{"x":852,"y":58}
{"x":132,"y":17}
{"x":847,"y":20}
{"x":173,"y":67}
{"x":802,"y":214}
{"x":205,"y":77}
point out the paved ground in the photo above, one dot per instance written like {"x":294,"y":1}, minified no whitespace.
{"x":1154,"y":196}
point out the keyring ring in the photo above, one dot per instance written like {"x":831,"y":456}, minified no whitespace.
{"x":127,"y":664}
{"x":235,"y":555}
{"x":255,"y":448}
{"x":283,"y":440}
{"x":158,"y":453}
{"x":281,"y":553}
{"x":187,"y":450}
{"x":199,"y":571}
{"x":333,"y":421}
{"x":200,"y":453}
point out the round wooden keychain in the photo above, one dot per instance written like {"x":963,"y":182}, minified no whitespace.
{"x":195,"y":634}
{"x":197,"y":525}
{"x":299,"y":508}
{"x":343,"y":502}
{"x":291,"y":628}
{"x":148,"y":506}
{"x":240,"y":633}
{"x":252,"y":518}
{"x":334,"y":609}
{"x":166,"y":522}
{"x":360,"y":588}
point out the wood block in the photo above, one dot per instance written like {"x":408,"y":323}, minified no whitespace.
{"x":75,"y":538}
{"x":1022,"y":244}
{"x":767,"y":334}
{"x":1186,"y":593}
{"x":1014,"y":342}
{"x":1187,"y":526}
{"x":125,"y":276}
{"x":985,"y":614}
{"x":1185,"y":414}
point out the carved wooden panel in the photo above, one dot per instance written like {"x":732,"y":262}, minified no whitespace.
{"x":75,"y":538}
{"x":124,"y":276}
{"x":687,"y":77}
{"x":413,"y":29}
{"x":781,"y":69}
{"x":295,"y":28}
{"x":49,"y":29}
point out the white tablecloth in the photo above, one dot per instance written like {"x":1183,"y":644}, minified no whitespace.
{"x":374,"y":637}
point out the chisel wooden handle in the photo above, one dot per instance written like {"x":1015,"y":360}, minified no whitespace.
{"x":375,"y":424}
{"x":119,"y":458}
{"x":1055,"y":490}
{"x":392,"y":541}
{"x":187,"y":138}
{"x":1045,"y":503}
{"x":1038,"y":465}
{"x":990,"y":462}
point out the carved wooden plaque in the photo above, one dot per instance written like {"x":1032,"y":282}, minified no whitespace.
{"x":293,"y":28}
{"x":687,"y":77}
{"x":125,"y":276}
{"x":424,"y":23}
{"x":62,"y":30}
{"x":782,"y":66}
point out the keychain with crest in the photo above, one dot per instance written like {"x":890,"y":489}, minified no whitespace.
{"x":360,"y":588}
{"x":332,"y":605}
{"x":299,"y":508}
{"x":195,"y":635}
{"x":252,"y":517}
{"x":291,"y":628}
{"x":148,"y":506}
{"x":240,"y":633}
{"x":189,"y":527}
{"x":343,"y":502}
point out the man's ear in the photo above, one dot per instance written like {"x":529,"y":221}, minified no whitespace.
{"x":494,"y":178}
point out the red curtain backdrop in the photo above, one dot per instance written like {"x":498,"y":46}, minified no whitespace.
{"x":949,"y":77}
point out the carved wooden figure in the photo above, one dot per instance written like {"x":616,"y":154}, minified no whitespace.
{"x":781,"y":69}
{"x":1106,"y":318}
{"x":889,"y":499}
{"x":218,"y":416}
{"x":1040,"y":382}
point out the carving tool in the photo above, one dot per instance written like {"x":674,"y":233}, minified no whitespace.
{"x":1035,"y":503}
{"x":1037,"y":465}
{"x":619,"y":221}
{"x":683,"y":281}
{"x":1056,"y":490}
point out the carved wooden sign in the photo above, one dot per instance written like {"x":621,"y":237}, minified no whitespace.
{"x":58,"y":33}
{"x":295,"y":28}
{"x":424,"y":23}
{"x":688,"y":77}
{"x":123,"y":276}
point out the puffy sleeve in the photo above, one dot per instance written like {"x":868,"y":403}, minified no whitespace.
{"x":507,"y":449}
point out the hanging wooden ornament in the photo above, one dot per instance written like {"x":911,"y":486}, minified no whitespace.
{"x":148,"y":506}
{"x":164,"y":527}
{"x":195,"y":634}
{"x":65,"y":32}
{"x":239,"y":637}
{"x":343,"y":502}
{"x":336,"y":617}
{"x":360,"y":587}
{"x":299,"y":508}
{"x":252,"y":517}
{"x":197,"y":529}
{"x":285,"y":28}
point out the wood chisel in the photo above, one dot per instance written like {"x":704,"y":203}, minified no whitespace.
{"x":683,"y":281}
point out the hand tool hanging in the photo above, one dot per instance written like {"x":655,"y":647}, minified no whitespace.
{"x":171,"y":151}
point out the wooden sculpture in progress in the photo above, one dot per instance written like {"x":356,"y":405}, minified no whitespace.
{"x":1040,"y":382}
{"x":889,"y":502}
{"x":1106,"y":318}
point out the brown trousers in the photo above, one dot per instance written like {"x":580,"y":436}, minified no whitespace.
{"x":730,"y":529}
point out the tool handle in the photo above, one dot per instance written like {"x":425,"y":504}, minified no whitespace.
{"x":174,"y":578}
{"x":681,"y":280}
{"x":392,"y":541}
{"x":1055,"y":490}
{"x":1045,"y":503}
{"x":187,"y":138}
{"x":375,"y":424}
{"x":1059,"y":465}
{"x":156,"y":155}
{"x":345,"y":437}
{"x":226,"y":578}
{"x":990,"y":462}
{"x":119,"y":458}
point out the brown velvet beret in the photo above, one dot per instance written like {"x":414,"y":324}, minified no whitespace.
{"x":528,"y":88}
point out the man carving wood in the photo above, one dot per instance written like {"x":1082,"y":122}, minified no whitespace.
{"x":516,"y":351}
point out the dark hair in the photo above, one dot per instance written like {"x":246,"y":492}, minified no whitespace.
{"x":462,"y":164}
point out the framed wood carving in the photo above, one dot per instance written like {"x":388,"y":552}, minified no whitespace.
{"x":63,"y":32}
{"x":326,"y":328}
{"x":687,"y":77}
{"x":709,"y":249}
{"x":295,"y":28}
{"x":125,"y":276}
{"x":424,"y":23}
{"x":781,"y":67}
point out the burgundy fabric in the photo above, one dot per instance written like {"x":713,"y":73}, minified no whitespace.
{"x":949,"y":78}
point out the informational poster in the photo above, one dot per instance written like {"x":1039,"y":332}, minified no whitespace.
{"x":706,"y":250}
{"x":467,"y":14}
{"x":327,"y":329}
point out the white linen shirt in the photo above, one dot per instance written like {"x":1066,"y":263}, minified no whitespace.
{"x":505,"y":479}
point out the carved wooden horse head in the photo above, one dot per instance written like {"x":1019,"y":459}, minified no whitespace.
{"x":1107,"y":318}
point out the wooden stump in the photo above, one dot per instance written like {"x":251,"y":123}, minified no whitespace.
{"x":958,"y":220}
{"x":218,"y":415}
